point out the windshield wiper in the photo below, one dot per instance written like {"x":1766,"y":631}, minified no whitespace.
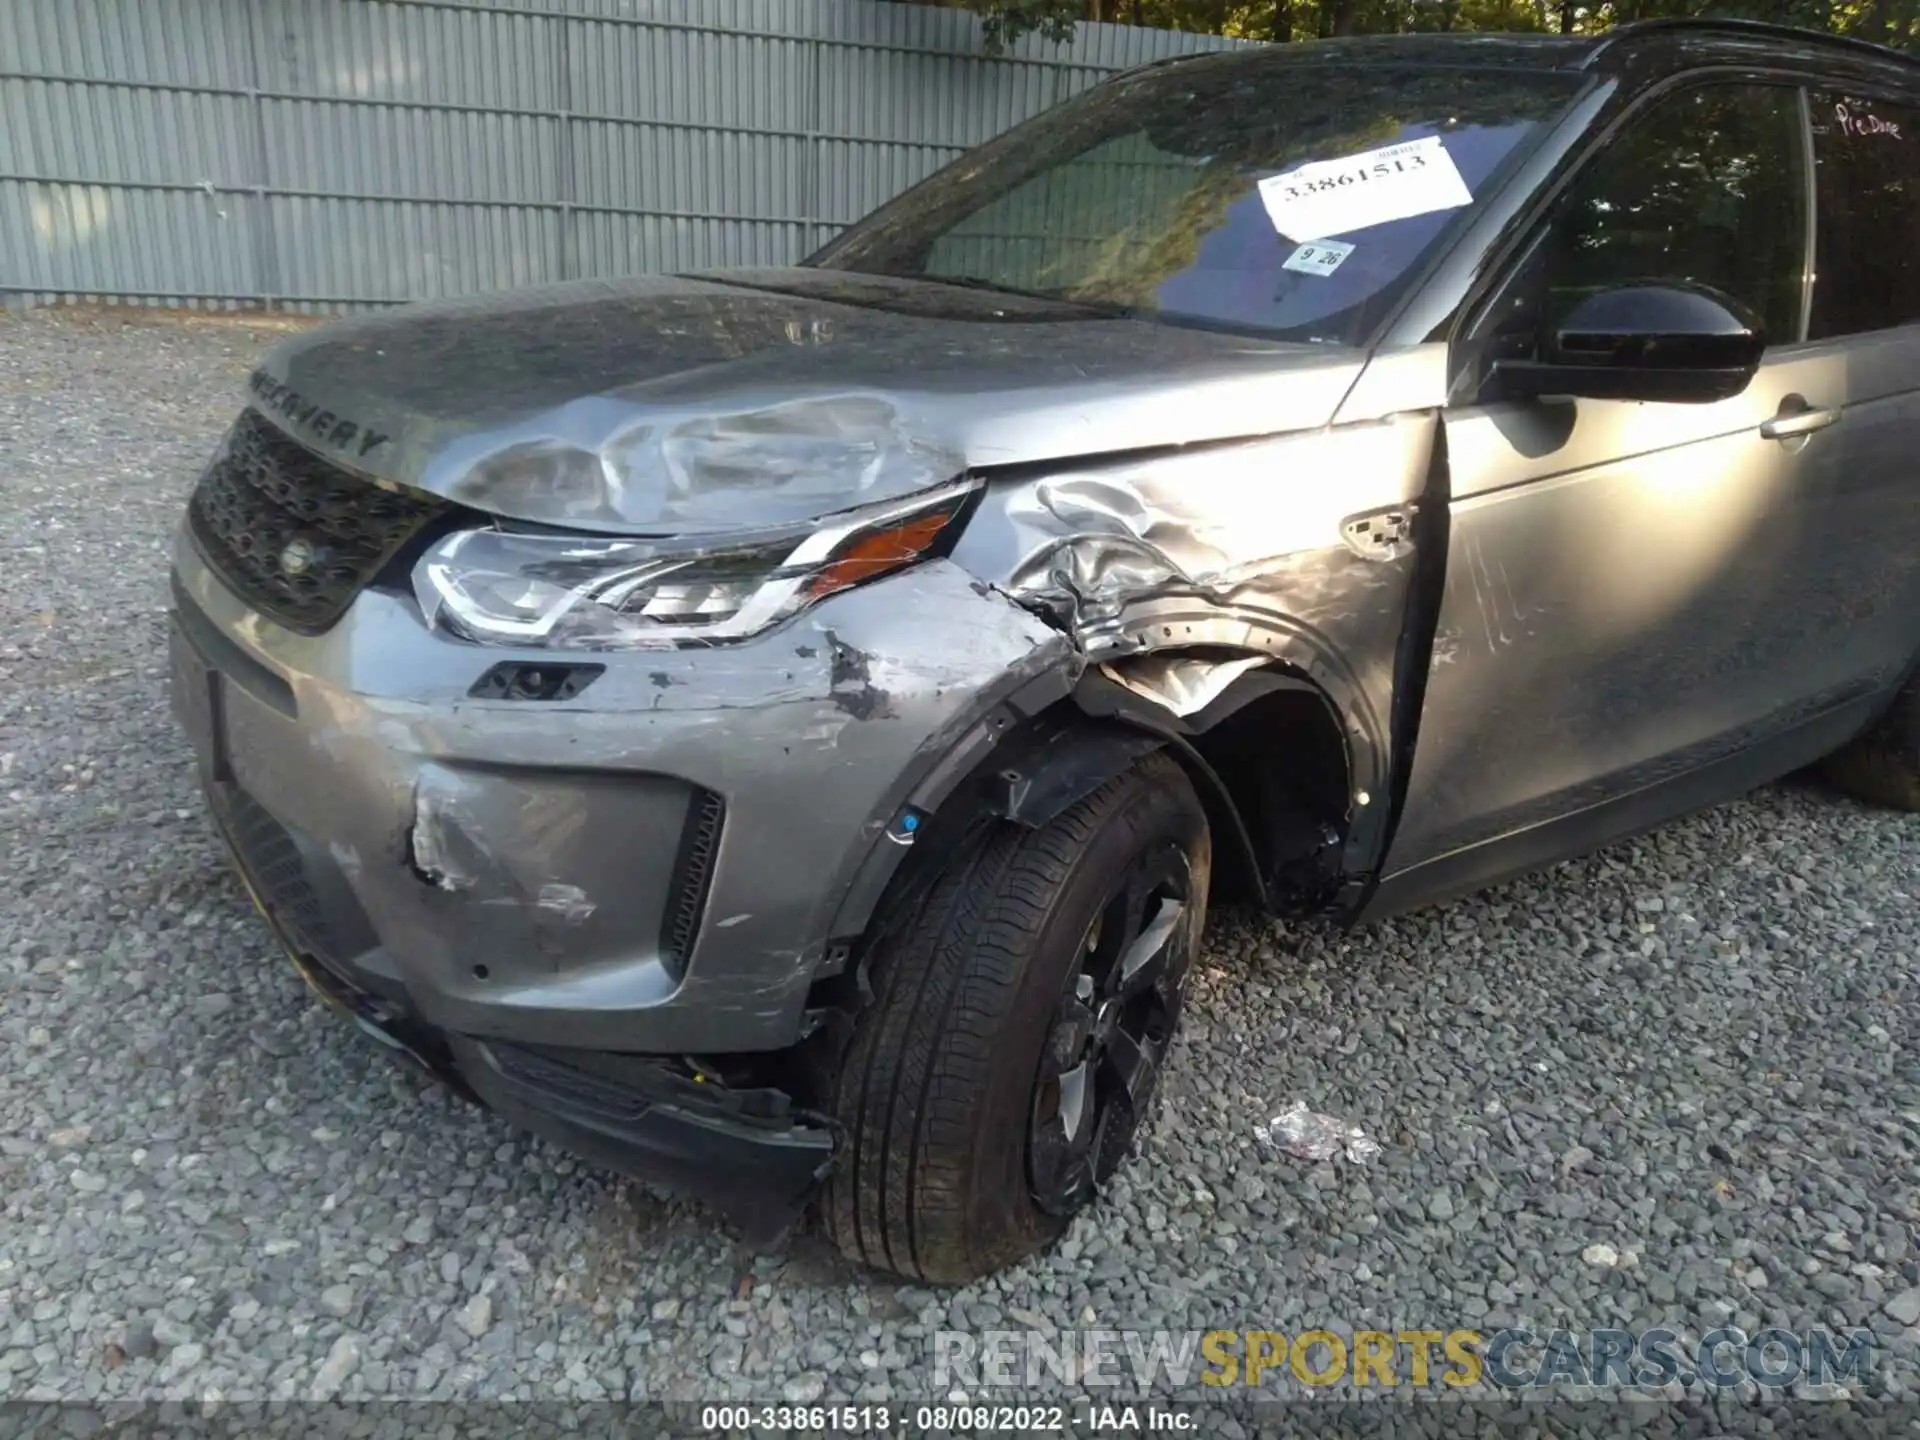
{"x":976,"y":282}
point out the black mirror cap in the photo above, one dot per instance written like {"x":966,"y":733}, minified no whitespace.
{"x":1660,"y":327}
{"x":1679,"y":344}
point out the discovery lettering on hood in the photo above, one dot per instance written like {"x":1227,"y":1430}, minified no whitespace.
{"x":304,"y":414}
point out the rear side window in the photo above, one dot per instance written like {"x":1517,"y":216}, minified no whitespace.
{"x":1866,"y":156}
{"x":1706,"y":186}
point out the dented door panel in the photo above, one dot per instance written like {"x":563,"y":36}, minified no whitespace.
{"x":1632,"y":591}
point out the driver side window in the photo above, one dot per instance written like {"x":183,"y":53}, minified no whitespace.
{"x":1706,"y":187}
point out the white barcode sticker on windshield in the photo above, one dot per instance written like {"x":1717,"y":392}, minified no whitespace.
{"x":1335,"y":197}
{"x":1318,"y":257}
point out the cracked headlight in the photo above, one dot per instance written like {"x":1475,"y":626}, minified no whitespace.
{"x":506,"y":587}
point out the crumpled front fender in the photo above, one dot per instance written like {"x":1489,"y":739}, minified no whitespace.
{"x":1177,"y":572}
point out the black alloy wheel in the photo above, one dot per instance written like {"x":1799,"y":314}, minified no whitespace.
{"x":1110,"y":1034}
{"x":1025,"y":1000}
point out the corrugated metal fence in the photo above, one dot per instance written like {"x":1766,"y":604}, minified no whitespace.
{"x":330,"y":154}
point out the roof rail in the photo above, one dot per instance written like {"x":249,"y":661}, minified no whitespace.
{"x":1756,"y":28}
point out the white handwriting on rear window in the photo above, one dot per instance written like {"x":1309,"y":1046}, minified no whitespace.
{"x":1864,"y":122}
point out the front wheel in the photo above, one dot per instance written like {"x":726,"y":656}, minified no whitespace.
{"x":1024,"y":1011}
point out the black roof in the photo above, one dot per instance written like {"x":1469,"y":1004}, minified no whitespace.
{"x":1498,"y":48}
{"x":1640,"y":31}
{"x":1641,"y":38}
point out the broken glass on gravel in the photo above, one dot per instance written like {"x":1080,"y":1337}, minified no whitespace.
{"x":1303,"y":1134}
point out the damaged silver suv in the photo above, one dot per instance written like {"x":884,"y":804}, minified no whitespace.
{"x":780,"y":731}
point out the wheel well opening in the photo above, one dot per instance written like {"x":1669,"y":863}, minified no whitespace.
{"x":1274,"y":764}
{"x":1283,"y":759}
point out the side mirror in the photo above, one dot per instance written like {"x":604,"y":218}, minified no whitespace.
{"x":1681,"y":345}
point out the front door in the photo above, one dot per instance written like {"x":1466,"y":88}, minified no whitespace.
{"x":1618,"y":572}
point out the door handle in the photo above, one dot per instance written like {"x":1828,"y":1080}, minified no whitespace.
{"x":1796,"y":417}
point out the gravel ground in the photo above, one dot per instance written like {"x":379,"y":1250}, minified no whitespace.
{"x":1675,"y":1082}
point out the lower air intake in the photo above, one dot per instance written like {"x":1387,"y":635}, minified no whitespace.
{"x":699,"y":843}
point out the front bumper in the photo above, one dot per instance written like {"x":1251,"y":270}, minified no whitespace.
{"x":654,"y":867}
{"x":748,"y":1153}
{"x":520,"y":869}
{"x":644,"y":1118}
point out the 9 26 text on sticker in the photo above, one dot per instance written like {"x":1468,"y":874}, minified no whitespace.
{"x":1318,"y":257}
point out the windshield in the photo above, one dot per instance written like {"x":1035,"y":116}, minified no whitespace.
{"x":1244,"y":191}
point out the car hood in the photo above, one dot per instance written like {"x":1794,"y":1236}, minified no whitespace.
{"x":747,"y":400}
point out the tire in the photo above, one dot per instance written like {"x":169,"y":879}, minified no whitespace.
{"x":1882,"y":766}
{"x":983,"y":1097}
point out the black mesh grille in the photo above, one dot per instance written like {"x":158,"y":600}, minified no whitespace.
{"x":265,"y":493}
{"x":698,"y":844}
{"x":272,"y":862}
